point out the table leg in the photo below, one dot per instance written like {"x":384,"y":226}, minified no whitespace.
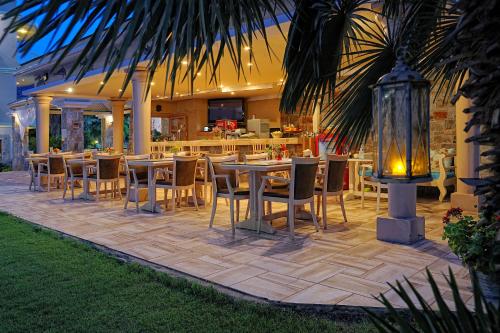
{"x":150,"y":205}
{"x":85,"y":195}
{"x":352,"y":183}
{"x":254,"y":180}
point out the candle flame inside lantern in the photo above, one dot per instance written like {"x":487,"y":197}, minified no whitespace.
{"x":399,"y":169}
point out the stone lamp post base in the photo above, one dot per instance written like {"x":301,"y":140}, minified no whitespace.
{"x":402,"y":225}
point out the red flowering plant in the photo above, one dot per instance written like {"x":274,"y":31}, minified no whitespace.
{"x":473,"y":242}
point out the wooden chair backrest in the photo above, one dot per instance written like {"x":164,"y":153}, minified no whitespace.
{"x":334,"y":172}
{"x":214,"y":163}
{"x":184,"y":170}
{"x":303,"y":180}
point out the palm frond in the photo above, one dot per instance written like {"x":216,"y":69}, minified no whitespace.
{"x":422,"y":317}
{"x":129,"y":32}
{"x":320,"y":32}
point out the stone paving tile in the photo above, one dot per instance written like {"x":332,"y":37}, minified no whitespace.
{"x":344,"y":264}
{"x":355,"y":285}
{"x":319,"y":294}
{"x":234,"y":275}
{"x":265,"y":288}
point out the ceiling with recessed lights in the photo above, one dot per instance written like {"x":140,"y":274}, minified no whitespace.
{"x":262,"y":75}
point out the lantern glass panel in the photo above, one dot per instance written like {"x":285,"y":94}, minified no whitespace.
{"x":420,"y":131}
{"x":394,"y":116}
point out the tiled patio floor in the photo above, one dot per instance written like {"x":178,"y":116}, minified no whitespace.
{"x":344,"y":265}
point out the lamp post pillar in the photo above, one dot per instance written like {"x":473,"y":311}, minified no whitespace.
{"x":141,"y":108}
{"x":402,"y":225}
{"x":42,"y":111}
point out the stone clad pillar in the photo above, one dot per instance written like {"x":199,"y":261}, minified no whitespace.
{"x":42,"y":110}
{"x":141,"y":109}
{"x":72,"y":129}
{"x":117,"y":108}
{"x":466,"y":160}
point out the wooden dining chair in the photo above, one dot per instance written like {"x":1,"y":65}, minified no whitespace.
{"x":300,"y":191}
{"x":107,"y":170}
{"x":53,"y":169}
{"x":225,"y":184}
{"x":136,"y":178}
{"x":180,"y":178}
{"x":331,"y":183}
{"x":33,"y":170}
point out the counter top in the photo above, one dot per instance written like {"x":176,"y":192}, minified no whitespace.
{"x":238,"y":142}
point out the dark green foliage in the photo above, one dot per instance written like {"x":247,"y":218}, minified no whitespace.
{"x":92,"y":132}
{"x":476,"y":44}
{"x":423,"y":318}
{"x":51,"y":284}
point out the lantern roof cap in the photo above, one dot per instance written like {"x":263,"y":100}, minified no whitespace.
{"x":401,"y":72}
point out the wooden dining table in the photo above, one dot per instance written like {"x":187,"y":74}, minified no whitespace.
{"x":257,"y":169}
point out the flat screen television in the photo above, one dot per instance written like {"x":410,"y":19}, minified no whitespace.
{"x":226,"y":109}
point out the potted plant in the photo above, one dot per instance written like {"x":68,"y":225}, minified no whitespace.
{"x":475,"y":243}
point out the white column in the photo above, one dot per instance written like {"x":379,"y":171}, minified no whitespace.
{"x":466,"y":160}
{"x":141,"y":107}
{"x":117,"y":108}
{"x":42,"y":110}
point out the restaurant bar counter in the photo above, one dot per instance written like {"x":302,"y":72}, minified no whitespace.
{"x":243,"y":146}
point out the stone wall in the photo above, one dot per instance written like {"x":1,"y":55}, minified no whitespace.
{"x":72,"y":129}
{"x":443,"y":131}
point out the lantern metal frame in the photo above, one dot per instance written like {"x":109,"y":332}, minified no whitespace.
{"x":400,"y":75}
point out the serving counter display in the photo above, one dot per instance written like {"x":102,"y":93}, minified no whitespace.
{"x":243,"y":146}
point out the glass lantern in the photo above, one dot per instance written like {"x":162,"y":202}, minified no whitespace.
{"x":400,"y":106}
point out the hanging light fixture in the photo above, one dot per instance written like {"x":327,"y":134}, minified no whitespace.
{"x":400,"y":104}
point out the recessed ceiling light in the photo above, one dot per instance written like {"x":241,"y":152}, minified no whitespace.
{"x":22,"y":31}
{"x":249,"y":83}
{"x":247,"y":48}
{"x":102,"y":82}
{"x":157,"y":96}
{"x":249,"y":64}
{"x":17,"y":82}
{"x":281,"y":80}
{"x":152,"y":83}
{"x":199,"y":73}
{"x":184,"y":62}
{"x":232,"y":92}
{"x":120,"y":90}
{"x":197,"y":89}
{"x":69,"y":90}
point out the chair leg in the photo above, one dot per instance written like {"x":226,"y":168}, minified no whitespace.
{"x":318,"y":204}
{"x":205,"y":195}
{"x":97,"y":188}
{"x":231,"y":212}
{"x":237,"y":211}
{"x":323,"y":208}
{"x":136,"y":190}
{"x":260,"y":213}
{"x":195,"y":198}
{"x":214,"y":208}
{"x":291,"y":221}
{"x":118,"y":189}
{"x":72,"y":189}
{"x":247,"y":212}
{"x":174,"y":199}
{"x":379,"y":190}
{"x":65,"y":187}
{"x":341,"y":198}
{"x":362,"y":193}
{"x":127,"y":185}
{"x":48,"y":183}
{"x":313,"y":214}
{"x":165,"y":198}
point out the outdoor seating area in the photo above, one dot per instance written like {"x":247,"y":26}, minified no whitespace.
{"x":344,"y":264}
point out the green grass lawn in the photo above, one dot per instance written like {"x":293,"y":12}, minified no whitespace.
{"x":52,"y":284}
